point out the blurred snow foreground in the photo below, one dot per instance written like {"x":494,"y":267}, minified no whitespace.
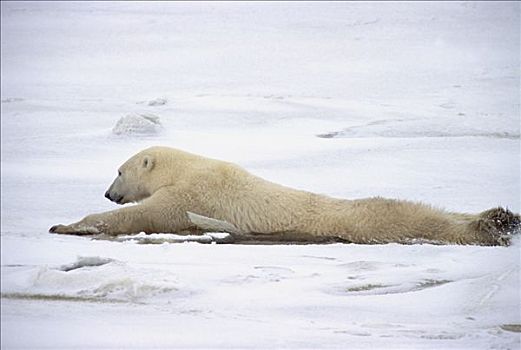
{"x":416,"y":101}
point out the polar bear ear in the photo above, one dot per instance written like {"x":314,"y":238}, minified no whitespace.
{"x":148,"y":162}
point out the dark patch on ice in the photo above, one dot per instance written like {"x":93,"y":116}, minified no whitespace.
{"x":357,"y":277}
{"x":516,"y":328}
{"x":384,"y":289}
{"x":329,"y":135}
{"x":367,"y":287}
{"x":12,"y":99}
{"x":318,"y":257}
{"x":354,"y":333}
{"x":58,"y":297}
{"x":429,"y":283}
{"x":158,"y":102}
{"x":86,"y":262}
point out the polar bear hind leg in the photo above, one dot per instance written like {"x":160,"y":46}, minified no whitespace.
{"x":497,"y":225}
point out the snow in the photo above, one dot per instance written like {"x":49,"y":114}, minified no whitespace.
{"x":417,"y":101}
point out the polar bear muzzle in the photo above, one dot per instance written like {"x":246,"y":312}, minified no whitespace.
{"x":114,"y":198}
{"x":114,"y":192}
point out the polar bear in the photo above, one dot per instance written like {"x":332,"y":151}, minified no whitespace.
{"x":179,"y":192}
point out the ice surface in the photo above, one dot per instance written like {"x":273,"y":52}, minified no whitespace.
{"x":417,"y":101}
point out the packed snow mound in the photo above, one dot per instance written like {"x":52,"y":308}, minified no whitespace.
{"x":88,"y":279}
{"x":138,"y":124}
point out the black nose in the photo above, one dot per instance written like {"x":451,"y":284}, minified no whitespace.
{"x":107,"y":195}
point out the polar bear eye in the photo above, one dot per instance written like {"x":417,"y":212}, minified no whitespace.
{"x":119,"y":173}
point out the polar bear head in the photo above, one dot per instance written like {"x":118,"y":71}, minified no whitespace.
{"x":134,"y":179}
{"x":158,"y":167}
